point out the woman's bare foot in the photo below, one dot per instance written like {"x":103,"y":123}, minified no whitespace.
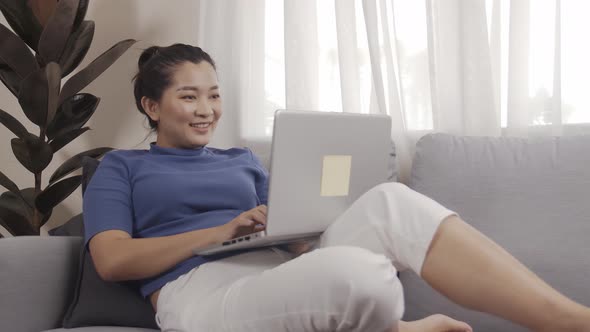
{"x":434,"y":323}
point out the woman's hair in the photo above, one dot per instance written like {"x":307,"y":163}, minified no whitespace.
{"x":156,"y":67}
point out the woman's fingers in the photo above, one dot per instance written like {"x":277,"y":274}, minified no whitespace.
{"x":251,"y":221}
{"x":247,"y":222}
{"x":262,"y":208}
{"x":259,"y":217}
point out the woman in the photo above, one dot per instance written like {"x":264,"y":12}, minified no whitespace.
{"x":146,"y":210}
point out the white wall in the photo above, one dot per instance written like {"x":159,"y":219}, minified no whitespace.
{"x":116,"y":122}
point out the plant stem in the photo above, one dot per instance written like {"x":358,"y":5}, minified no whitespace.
{"x":37,"y":222}
{"x":37,"y":183}
{"x":37,"y":215}
{"x":42,"y":133}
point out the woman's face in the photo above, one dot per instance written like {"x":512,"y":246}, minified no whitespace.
{"x":188,"y":112}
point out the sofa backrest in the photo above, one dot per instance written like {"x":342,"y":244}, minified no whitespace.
{"x":36,"y":278}
{"x":532,"y":196}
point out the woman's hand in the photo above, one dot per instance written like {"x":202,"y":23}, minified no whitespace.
{"x":247,"y":222}
{"x":299,"y":247}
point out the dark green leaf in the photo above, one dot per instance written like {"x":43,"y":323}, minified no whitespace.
{"x":94,"y":69}
{"x":53,"y":73}
{"x":53,"y":195}
{"x":16,"y":215}
{"x":16,"y":54}
{"x":77,"y":47}
{"x":62,"y":140}
{"x":57,"y":31}
{"x":33,"y":97}
{"x":21,"y":207}
{"x":15,"y":224}
{"x":10,"y":78}
{"x":32,"y":152}
{"x":40,"y":60}
{"x":72,"y":114}
{"x":75,"y":162}
{"x":42,"y":9}
{"x":22,"y":21}
{"x":13,"y":124}
{"x":81,"y":13}
{"x":30,"y":195}
{"x":39,"y":93}
{"x":8,"y":184}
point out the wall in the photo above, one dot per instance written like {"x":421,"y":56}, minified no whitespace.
{"x":116,"y":122}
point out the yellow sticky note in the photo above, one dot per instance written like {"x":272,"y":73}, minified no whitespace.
{"x":335,"y":175}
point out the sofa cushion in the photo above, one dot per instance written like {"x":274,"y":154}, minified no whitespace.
{"x":528,"y":195}
{"x":89,"y":166}
{"x":97,"y":302}
{"x":73,"y":227}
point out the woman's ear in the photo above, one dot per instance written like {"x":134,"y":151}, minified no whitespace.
{"x":151,"y":108}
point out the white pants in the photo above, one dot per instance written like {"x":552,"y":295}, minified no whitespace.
{"x":348,"y":284}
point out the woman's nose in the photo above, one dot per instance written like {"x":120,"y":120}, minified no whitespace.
{"x":203,"y":109}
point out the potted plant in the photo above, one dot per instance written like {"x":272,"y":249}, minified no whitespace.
{"x":60,"y":38}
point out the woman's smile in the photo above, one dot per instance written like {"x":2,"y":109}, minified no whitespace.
{"x":201,"y":127}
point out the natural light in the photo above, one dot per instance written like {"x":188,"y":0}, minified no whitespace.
{"x":551,"y":61}
{"x":574,"y":61}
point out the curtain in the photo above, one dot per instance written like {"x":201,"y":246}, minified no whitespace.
{"x":467,"y":67}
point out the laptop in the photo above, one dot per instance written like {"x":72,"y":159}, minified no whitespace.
{"x":321,"y":162}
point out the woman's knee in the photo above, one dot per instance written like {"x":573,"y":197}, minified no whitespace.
{"x":363,"y":285}
{"x":393,"y":196}
{"x":390,"y":188}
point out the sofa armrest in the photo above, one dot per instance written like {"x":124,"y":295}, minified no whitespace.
{"x":37,"y":277}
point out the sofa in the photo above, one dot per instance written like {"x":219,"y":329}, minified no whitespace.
{"x":529,"y":195}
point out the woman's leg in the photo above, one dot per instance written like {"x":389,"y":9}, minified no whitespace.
{"x":404,"y":225}
{"x":475,"y":272}
{"x":331,"y":289}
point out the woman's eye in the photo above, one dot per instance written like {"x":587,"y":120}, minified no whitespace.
{"x":189,"y":97}
{"x":215,"y":96}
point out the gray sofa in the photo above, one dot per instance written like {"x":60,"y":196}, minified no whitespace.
{"x":531,"y":196}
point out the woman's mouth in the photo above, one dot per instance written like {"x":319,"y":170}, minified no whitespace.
{"x":201,"y":127}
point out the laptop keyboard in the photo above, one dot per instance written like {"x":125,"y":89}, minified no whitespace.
{"x":243,"y":238}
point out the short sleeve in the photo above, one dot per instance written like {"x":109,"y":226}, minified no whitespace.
{"x":107,"y":203}
{"x":261,"y":181}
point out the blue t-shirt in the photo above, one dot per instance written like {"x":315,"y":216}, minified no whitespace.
{"x":167,"y":191}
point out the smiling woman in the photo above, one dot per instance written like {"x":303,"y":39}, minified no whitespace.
{"x":179,"y":93}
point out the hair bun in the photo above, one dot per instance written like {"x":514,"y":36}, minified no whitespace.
{"x":147,"y":54}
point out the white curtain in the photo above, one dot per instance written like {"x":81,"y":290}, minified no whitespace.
{"x":470,"y":67}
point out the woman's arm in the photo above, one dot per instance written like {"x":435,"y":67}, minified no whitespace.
{"x":119,"y":257}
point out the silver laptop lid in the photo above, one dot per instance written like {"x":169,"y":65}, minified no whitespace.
{"x":321,"y":162}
